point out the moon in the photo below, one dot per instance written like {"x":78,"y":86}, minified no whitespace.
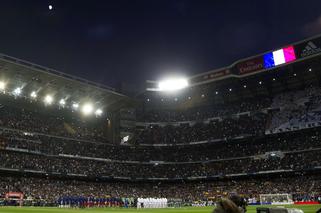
{"x":50,"y":7}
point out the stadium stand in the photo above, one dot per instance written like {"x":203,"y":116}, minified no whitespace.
{"x":253,"y":134}
{"x":73,"y":190}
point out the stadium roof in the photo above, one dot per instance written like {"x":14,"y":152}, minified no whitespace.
{"x":44,"y":80}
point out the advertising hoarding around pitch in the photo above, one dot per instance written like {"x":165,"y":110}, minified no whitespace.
{"x":308,"y":48}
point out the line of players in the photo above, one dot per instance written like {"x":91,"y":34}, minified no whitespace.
{"x":151,"y":203}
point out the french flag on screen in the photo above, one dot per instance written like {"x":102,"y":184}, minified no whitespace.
{"x":278,"y":57}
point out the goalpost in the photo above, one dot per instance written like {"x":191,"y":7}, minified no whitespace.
{"x":277,"y":199}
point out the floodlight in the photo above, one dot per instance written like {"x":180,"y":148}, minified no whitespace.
{"x":17,"y":91}
{"x":48,"y":99}
{"x":2,"y":85}
{"x":87,"y":109}
{"x":126,"y":138}
{"x":62,"y":102}
{"x":172,"y":84}
{"x":98,"y":112}
{"x":33,"y":94}
{"x":75,"y":105}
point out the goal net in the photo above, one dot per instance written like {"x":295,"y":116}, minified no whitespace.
{"x":276,"y":199}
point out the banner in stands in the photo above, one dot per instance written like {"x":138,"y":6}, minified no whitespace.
{"x":210,"y":76}
{"x":14,"y":195}
{"x":250,"y":65}
{"x":308,"y":48}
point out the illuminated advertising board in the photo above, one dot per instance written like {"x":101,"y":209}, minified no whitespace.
{"x":210,"y":76}
{"x":308,"y":48}
{"x":250,"y":65}
{"x":278,"y":57}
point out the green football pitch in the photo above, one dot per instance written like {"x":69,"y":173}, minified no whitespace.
{"x":251,"y":209}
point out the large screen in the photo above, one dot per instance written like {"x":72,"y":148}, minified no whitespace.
{"x":278,"y":57}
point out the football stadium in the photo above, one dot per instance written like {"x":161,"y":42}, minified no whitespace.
{"x":241,"y":138}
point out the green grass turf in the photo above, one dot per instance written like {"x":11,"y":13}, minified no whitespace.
{"x":251,"y":209}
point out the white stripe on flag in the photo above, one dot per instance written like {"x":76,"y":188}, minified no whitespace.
{"x":278,"y":57}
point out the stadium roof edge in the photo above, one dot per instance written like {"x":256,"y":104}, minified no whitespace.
{"x":297,"y":42}
{"x":231,"y":75}
{"x":248,"y":58}
{"x":57,"y":73}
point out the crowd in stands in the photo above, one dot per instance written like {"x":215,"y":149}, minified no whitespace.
{"x":301,"y":187}
{"x":232,"y":144}
{"x":296,"y":109}
{"x":216,"y":129}
{"x":58,"y":125}
{"x":302,"y":160}
{"x":203,"y":113}
{"x":33,"y":142}
{"x":257,"y":116}
{"x":287,"y":111}
{"x":296,"y":101}
{"x":224,"y":149}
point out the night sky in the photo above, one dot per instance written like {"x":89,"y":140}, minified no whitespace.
{"x":112,"y":41}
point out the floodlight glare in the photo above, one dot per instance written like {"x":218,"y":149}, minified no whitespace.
{"x":17,"y":91}
{"x":33,"y":94}
{"x":48,"y":99}
{"x":62,"y":102}
{"x":87,"y":109}
{"x":172,"y":84}
{"x":98,"y":112}
{"x":2,"y":85}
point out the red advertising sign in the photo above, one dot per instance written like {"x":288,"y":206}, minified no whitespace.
{"x":217,"y":74}
{"x":14,"y":195}
{"x":250,"y":65}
